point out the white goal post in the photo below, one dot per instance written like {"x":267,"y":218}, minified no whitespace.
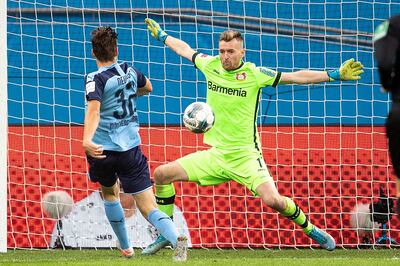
{"x":3,"y":126}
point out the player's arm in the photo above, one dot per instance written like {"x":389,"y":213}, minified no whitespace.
{"x":143,"y":83}
{"x":146,"y":89}
{"x":178,"y":46}
{"x":349,"y":70}
{"x":304,"y":77}
{"x":94,"y":93}
{"x":92,"y":119}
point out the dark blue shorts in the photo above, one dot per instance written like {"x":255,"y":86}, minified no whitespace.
{"x":130,"y":167}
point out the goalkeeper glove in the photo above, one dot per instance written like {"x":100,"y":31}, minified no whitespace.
{"x":349,"y":70}
{"x":156,"y":31}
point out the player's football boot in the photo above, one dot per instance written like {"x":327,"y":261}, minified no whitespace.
{"x":180,"y":252}
{"x":154,"y":247}
{"x":325,"y":240}
{"x":127,"y":253}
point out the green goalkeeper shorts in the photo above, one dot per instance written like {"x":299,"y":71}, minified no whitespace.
{"x":216,"y":166}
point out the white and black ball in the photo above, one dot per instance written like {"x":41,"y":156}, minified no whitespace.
{"x":57,"y":204}
{"x":198,"y":117}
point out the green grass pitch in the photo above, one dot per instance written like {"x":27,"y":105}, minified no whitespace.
{"x":242,"y":257}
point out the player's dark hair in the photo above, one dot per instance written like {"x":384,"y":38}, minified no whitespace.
{"x":104,"y":43}
{"x":229,"y":35}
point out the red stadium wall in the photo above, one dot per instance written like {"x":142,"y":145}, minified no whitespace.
{"x":325,"y":169}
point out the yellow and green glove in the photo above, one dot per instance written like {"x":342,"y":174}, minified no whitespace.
{"x":349,"y":70}
{"x":155,"y":30}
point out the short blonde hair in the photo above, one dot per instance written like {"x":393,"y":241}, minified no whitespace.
{"x":229,"y":35}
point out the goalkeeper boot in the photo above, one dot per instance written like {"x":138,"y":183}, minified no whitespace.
{"x":154,"y":247}
{"x":325,"y":240}
{"x":180,"y":252}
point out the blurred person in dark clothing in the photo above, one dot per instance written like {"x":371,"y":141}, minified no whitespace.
{"x":387,"y":52}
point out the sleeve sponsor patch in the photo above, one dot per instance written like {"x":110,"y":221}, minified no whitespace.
{"x":267,"y":72}
{"x":90,"y":87}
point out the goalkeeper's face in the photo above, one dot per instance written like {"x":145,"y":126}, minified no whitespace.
{"x":231,"y":54}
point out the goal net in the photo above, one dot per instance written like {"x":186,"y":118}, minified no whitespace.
{"x":324,"y":144}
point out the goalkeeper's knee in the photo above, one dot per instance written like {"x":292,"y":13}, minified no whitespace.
{"x":159,"y":177}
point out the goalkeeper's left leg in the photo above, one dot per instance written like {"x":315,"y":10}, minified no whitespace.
{"x":289,"y":209}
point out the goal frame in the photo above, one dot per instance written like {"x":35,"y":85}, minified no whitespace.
{"x":3,"y":126}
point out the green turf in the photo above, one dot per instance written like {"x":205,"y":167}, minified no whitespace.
{"x":242,"y":257}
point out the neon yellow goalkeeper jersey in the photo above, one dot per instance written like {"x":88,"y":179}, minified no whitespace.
{"x":234,"y":97}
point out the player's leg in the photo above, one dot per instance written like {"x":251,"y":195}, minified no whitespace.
{"x":250,"y":170}
{"x":116,"y":217}
{"x":393,"y":132}
{"x":201,"y":167}
{"x":165,"y":226}
{"x":164,"y":176}
{"x":284,"y":205}
{"x":103,"y":171}
{"x":133,"y":172}
{"x":165,"y":198}
{"x":148,"y":207}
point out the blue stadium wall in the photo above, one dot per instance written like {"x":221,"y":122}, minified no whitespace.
{"x":46,"y":75}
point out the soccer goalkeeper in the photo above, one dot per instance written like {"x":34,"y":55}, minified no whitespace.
{"x":236,"y":152}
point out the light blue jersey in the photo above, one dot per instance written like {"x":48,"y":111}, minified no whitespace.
{"x":116,"y":88}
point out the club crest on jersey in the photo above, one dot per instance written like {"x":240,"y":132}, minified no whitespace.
{"x":241,"y":76}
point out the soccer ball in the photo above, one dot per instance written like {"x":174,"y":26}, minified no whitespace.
{"x":57,"y":204}
{"x":198,"y":117}
{"x":360,"y":220}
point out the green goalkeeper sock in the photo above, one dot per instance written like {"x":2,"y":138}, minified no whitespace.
{"x":294,"y":213}
{"x":165,"y":198}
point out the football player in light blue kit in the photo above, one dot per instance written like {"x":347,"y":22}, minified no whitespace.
{"x":111,"y":141}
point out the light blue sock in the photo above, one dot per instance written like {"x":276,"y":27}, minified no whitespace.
{"x":116,"y":217}
{"x":164,"y":225}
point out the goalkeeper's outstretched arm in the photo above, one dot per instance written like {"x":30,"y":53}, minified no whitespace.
{"x":349,"y":70}
{"x":178,"y":46}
